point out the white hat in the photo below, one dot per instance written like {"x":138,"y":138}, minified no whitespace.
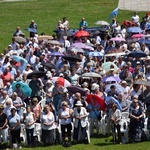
{"x":94,"y":86}
{"x":61,"y":75}
{"x":49,"y":81}
{"x":85,"y":84}
{"x":124,"y":82}
{"x":111,"y":69}
{"x":138,"y":62}
{"x":79,"y":103}
{"x":48,"y":74}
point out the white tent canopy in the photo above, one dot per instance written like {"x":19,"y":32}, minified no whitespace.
{"x":134,"y":5}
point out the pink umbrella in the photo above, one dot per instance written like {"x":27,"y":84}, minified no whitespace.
{"x":137,"y":35}
{"x":82,"y":45}
{"x":117,"y":39}
{"x":63,"y":82}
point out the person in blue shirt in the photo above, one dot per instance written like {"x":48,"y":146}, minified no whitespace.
{"x":83,"y":23}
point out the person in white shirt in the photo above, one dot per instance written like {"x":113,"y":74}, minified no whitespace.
{"x":135,"y":18}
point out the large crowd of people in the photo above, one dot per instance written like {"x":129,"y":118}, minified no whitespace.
{"x":34,"y":70}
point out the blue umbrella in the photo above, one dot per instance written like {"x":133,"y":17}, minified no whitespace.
{"x":19,"y":59}
{"x":138,"y":53}
{"x":110,"y":99}
{"x":144,"y":41}
{"x":134,"y":30}
{"x":97,"y":54}
{"x":23,"y":86}
{"x":31,"y":30}
{"x":113,"y":13}
{"x":56,"y":54}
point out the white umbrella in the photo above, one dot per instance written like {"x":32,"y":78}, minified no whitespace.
{"x":103,"y":23}
{"x":91,"y":74}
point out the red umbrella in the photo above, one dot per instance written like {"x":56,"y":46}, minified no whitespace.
{"x":97,"y":100}
{"x":81,"y":33}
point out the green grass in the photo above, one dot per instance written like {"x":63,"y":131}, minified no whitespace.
{"x":46,"y":13}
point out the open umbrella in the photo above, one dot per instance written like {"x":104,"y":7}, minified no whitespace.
{"x":19,"y":39}
{"x":110,"y":99}
{"x":137,"y":35}
{"x":76,"y":49}
{"x":111,"y":78}
{"x":49,"y":65}
{"x":137,"y":53}
{"x":96,"y":54}
{"x":75,"y":89}
{"x":119,"y":88}
{"x":62,"y":81}
{"x":106,"y":66}
{"x":91,"y":74}
{"x":38,"y":74}
{"x":82,"y":45}
{"x":19,"y":59}
{"x":64,"y":33}
{"x":119,"y":39}
{"x":54,"y":42}
{"x":31,"y":30}
{"x":72,"y":58}
{"x":81,"y":33}
{"x":144,"y":41}
{"x":97,"y":99}
{"x":23,"y":86}
{"x":45,"y":37}
{"x":142,"y":82}
{"x":101,"y":22}
{"x":134,"y":30}
{"x":56,"y":54}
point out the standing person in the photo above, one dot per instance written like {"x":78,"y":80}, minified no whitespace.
{"x":36,"y":109}
{"x":136,"y":117}
{"x":15,"y":128}
{"x":65,"y":23}
{"x":47,"y":125}
{"x":65,"y":116}
{"x":80,"y":115}
{"x":33,"y":25}
{"x":29,"y":120}
{"x":74,"y":77}
{"x":135,"y":18}
{"x":3,"y":127}
{"x":83,"y":23}
{"x":115,"y":117}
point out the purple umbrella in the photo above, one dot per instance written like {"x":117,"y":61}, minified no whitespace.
{"x":83,"y":46}
{"x":56,"y":54}
{"x":75,"y":89}
{"x":111,"y":78}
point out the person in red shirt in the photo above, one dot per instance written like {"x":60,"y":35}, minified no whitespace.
{"x":6,"y":76}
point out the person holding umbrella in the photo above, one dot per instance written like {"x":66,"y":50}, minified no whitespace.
{"x":32,"y":25}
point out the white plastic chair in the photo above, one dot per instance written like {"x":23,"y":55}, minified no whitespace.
{"x":124,"y":128}
{"x":37,"y":131}
{"x":146,"y":131}
{"x":42,"y":103}
{"x":103,"y":125}
{"x":23,"y":111}
{"x":23,"y":134}
{"x":88,"y":132}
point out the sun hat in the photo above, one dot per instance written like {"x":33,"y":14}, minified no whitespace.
{"x":49,"y":81}
{"x":94,"y":86}
{"x":85,"y":84}
{"x":79,"y":103}
{"x":35,"y":99}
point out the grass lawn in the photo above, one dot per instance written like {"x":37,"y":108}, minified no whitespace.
{"x":46,"y":14}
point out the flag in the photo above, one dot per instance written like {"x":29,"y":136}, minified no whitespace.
{"x":113,"y":13}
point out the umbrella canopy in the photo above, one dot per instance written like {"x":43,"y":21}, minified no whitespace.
{"x":64,"y":33}
{"x":82,"y":45}
{"x":81,"y":33}
{"x":106,"y":66}
{"x":75,"y":89}
{"x":138,"y":53}
{"x":54,"y":42}
{"x":23,"y":86}
{"x":19,"y":59}
{"x":72,"y":58}
{"x":49,"y":65}
{"x":144,"y":41}
{"x":119,"y":88}
{"x":91,"y":74}
{"x":38,"y":74}
{"x":63,"y":82}
{"x":56,"y":54}
{"x":31,"y":30}
{"x":19,"y":39}
{"x":45,"y":37}
{"x":112,"y":78}
{"x":134,"y":30}
{"x":76,"y":49}
{"x":119,"y":39}
{"x":97,"y":100}
{"x":110,"y":99}
{"x":142,"y":82}
{"x":137,"y":35}
{"x":96,"y":54}
{"x":101,"y":22}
